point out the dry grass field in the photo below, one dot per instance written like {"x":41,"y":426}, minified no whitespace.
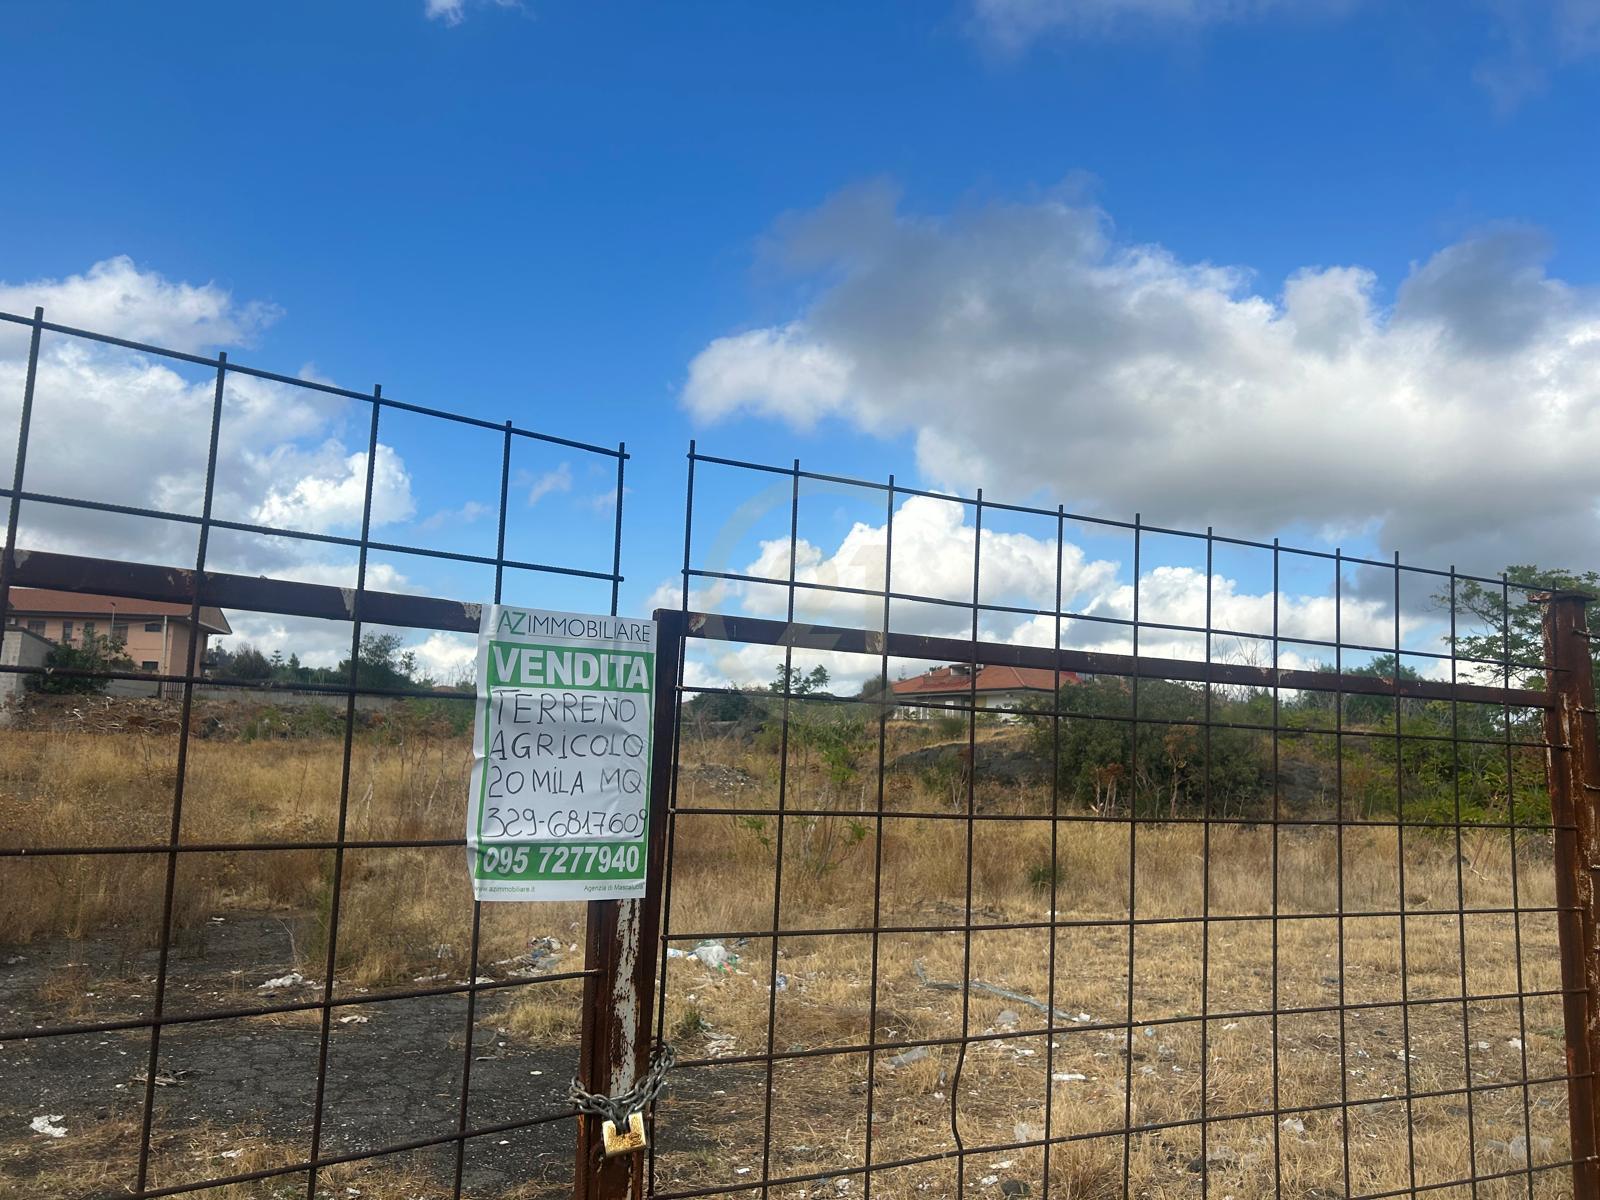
{"x":86,"y":925}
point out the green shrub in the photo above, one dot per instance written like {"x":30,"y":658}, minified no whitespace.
{"x":95,"y":653}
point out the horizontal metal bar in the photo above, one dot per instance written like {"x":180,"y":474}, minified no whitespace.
{"x":1264,"y":822}
{"x":1066,"y":615}
{"x":755,"y":935}
{"x":761,"y":631}
{"x":262,"y":687}
{"x":22,"y":1034}
{"x":144,"y":581}
{"x":1039,"y":1031}
{"x":225,"y":364}
{"x":301,"y":535}
{"x":1042,"y":714}
{"x":229,"y":847}
{"x":1109,"y":522}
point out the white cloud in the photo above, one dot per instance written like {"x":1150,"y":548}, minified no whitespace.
{"x":330,"y":488}
{"x":934,"y":545}
{"x":1534,"y":39}
{"x":467,"y":514}
{"x":128,"y":428}
{"x":453,"y":12}
{"x":448,"y":11}
{"x":446,"y":657}
{"x":116,"y":297}
{"x":1013,"y":23}
{"x":1529,"y":39}
{"x":770,"y":372}
{"x":557,"y":480}
{"x":1021,"y":343}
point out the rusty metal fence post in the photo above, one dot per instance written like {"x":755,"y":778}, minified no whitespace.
{"x":620,"y":954}
{"x":1573,"y":774}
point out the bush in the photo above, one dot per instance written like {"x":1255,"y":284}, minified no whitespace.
{"x":1170,"y":768}
{"x":95,"y":653}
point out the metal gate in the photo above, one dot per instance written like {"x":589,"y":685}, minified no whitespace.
{"x":1019,"y":896}
{"x":1297,"y":929}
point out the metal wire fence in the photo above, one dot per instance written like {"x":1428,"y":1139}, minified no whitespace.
{"x":372,"y":850}
{"x":1061,"y":855}
{"x":1272,"y":925}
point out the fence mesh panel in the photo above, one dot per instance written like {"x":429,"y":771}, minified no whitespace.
{"x":1087,"y":866}
{"x":241,"y":950}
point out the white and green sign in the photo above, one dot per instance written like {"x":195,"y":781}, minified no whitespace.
{"x":559,"y":804}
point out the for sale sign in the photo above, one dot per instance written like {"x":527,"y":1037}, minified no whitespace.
{"x":559,"y":803}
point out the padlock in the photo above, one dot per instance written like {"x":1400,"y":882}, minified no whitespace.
{"x":623,"y":1143}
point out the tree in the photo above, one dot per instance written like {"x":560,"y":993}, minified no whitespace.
{"x":790,"y":679}
{"x":380,"y":663}
{"x":1517,"y":631}
{"x":95,"y":653}
{"x":244,"y":663}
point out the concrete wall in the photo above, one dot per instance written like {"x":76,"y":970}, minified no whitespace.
{"x":19,"y":649}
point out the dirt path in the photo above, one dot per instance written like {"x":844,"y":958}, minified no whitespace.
{"x":393,"y":1074}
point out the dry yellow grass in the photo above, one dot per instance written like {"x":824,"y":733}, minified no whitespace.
{"x":407,"y":912}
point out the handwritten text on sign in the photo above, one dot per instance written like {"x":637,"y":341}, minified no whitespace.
{"x":560,"y":795}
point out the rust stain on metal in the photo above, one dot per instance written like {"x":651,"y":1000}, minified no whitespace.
{"x":625,"y":999}
{"x":1572,"y":761}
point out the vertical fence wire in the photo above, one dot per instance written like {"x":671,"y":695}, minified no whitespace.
{"x":1400,"y":855}
{"x":1054,"y":930}
{"x":664,"y":962}
{"x":336,"y":888}
{"x":778,"y":839}
{"x":467,"y":1049}
{"x":966,"y":912}
{"x":1339,"y":865}
{"x":877,"y":841}
{"x":1461,"y":892}
{"x":1205,"y":890}
{"x":1275,"y":861}
{"x":1516,"y":899}
{"x":14,"y":506}
{"x":175,"y":834}
{"x":1133,"y":866}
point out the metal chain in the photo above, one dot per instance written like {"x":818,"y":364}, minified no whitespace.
{"x":640,"y":1096}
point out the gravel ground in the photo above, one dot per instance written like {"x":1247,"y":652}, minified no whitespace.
{"x":393,"y":1068}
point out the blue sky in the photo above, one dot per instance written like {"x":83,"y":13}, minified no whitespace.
{"x":656,"y":222}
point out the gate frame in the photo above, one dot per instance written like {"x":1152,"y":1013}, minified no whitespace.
{"x":622,"y":942}
{"x":1573,"y":775}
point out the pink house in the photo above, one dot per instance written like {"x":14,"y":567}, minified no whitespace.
{"x":155,"y":635}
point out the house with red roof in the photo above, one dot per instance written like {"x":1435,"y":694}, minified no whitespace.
{"x":997,"y":688}
{"x":153,"y":633}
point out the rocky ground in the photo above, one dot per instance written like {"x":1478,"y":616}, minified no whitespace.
{"x":227,"y":1087}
